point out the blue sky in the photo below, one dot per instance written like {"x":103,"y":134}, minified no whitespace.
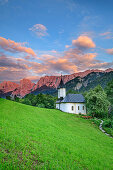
{"x":48,"y":37}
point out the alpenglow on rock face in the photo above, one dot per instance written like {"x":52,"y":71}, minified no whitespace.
{"x":48,"y":82}
{"x":24,"y":88}
{"x":53,"y":81}
{"x":7,"y":86}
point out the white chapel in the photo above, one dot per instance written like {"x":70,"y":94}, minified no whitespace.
{"x":72,"y":103}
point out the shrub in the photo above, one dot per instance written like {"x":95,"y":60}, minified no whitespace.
{"x":8,"y":97}
{"x":26,"y":101}
{"x":40,"y":105}
{"x":108,"y":123}
{"x":96,"y":121}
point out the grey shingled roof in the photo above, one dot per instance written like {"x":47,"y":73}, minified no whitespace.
{"x":73,"y":98}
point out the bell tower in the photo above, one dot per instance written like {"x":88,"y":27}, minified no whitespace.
{"x":61,"y":89}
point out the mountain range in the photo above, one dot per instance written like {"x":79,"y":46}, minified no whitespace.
{"x":80,"y":81}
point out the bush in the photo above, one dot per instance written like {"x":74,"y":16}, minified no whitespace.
{"x":8,"y":97}
{"x":96,"y":121}
{"x":40,"y":105}
{"x":108,"y":126}
{"x":108,"y":123}
{"x":26,"y":101}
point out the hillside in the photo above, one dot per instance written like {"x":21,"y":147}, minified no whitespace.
{"x":90,"y":81}
{"x":35,"y":138}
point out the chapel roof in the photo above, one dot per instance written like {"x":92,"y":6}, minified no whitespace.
{"x":73,"y":98}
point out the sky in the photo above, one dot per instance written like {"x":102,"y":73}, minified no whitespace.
{"x":50,"y":37}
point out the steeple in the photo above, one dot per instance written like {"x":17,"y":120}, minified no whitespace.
{"x":61,"y":84}
{"x":61,"y":89}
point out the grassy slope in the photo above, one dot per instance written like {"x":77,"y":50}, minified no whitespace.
{"x":35,"y":138}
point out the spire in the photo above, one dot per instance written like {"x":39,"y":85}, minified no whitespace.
{"x":61,"y":84}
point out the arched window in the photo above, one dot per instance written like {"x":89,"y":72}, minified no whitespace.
{"x":78,"y":107}
{"x":83,"y":107}
{"x":72,"y":107}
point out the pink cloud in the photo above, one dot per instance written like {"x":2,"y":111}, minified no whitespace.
{"x":67,"y":46}
{"x":107,"y":35}
{"x":72,"y":61}
{"x":102,"y":65}
{"x":61,"y":64}
{"x":83,"y":42}
{"x":13,"y":46}
{"x":12,"y":68}
{"x":51,"y":63}
{"x":39,"y":29}
{"x":110,"y":51}
{"x":33,"y":78}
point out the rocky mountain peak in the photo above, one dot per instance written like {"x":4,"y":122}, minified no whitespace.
{"x":50,"y":82}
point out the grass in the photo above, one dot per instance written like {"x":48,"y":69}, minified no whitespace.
{"x":35,"y":138}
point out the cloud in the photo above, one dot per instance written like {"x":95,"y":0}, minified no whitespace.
{"x":83,"y":42}
{"x":33,"y":78}
{"x":10,"y":62}
{"x":107,"y":35}
{"x":12,"y":46}
{"x":14,"y":69}
{"x":72,"y":60}
{"x":39,"y":29}
{"x":67,"y":46}
{"x":109,"y":51}
{"x":61,"y":64}
{"x":12,"y":75}
{"x":11,"y":69}
{"x":103,"y":65}
{"x":80,"y":59}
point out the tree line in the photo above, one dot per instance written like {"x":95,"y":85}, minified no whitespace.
{"x":40,"y":100}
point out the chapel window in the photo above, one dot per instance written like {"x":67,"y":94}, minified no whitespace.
{"x":72,"y":108}
{"x":78,"y":107}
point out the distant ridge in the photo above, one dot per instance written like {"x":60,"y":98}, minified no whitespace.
{"x":53,"y":81}
{"x":47,"y":83}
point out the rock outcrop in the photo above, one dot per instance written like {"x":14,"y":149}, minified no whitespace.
{"x":7,"y":86}
{"x":24,"y":88}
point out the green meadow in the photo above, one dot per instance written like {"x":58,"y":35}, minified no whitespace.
{"x":38,"y":138}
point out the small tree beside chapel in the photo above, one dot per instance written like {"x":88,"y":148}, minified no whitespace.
{"x":97,"y":102}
